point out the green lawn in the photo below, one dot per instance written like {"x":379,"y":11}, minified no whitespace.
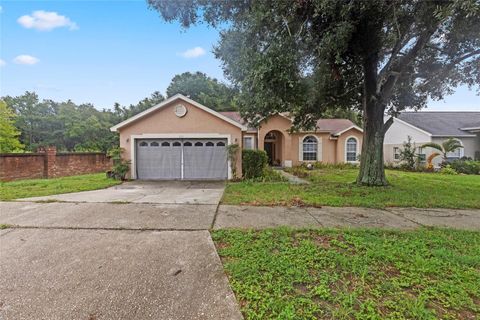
{"x":44,"y":187}
{"x":335,"y":187}
{"x":353,"y":274}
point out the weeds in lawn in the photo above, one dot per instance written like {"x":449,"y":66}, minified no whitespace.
{"x":353,"y":274}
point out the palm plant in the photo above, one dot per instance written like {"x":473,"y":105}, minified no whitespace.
{"x":449,"y":145}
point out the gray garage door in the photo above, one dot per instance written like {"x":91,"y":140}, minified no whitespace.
{"x":187,"y":159}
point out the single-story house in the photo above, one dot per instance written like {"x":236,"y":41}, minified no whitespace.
{"x":425,"y":127}
{"x":182,"y":139}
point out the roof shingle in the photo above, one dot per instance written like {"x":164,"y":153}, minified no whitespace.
{"x":443,"y":123}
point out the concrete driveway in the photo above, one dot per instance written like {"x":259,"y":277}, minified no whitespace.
{"x":105,"y":274}
{"x":141,"y":250}
{"x":160,"y":192}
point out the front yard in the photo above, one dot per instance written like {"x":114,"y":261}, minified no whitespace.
{"x":44,"y":187}
{"x":335,"y":187}
{"x":353,"y":274}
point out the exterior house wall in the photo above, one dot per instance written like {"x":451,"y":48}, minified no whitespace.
{"x":328,"y":147}
{"x":282,"y":125}
{"x":470,"y":145}
{"x":164,"y":121}
{"x":397,"y":134}
{"x":342,"y":140}
{"x":331,"y":150}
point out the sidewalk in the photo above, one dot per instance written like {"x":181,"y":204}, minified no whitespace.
{"x":352,"y":217}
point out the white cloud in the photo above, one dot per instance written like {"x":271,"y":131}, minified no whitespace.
{"x":46,"y":21}
{"x":2,"y":63}
{"x":193,"y":53}
{"x":25,"y":59}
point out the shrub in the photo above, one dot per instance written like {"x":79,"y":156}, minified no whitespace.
{"x":120,"y":166}
{"x":270,"y":175}
{"x":254,"y":163}
{"x":466,"y":166}
{"x":448,"y":170}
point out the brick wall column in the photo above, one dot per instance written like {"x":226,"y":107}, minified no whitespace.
{"x":49,"y":169}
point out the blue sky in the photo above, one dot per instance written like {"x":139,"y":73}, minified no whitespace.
{"x":111,"y":51}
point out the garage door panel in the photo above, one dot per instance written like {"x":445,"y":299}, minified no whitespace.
{"x":205,"y":160}
{"x":159,"y":162}
{"x":167,"y":158}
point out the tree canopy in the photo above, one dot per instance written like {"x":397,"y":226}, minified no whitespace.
{"x":310,"y":56}
{"x":203,"y":89}
{"x":8,"y":133}
{"x":27,"y":120}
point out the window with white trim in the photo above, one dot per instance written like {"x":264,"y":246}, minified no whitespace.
{"x":310,"y":148}
{"x":248,"y":143}
{"x":396,"y":153}
{"x":457,"y":153}
{"x":422,"y":157}
{"x":351,"y":150}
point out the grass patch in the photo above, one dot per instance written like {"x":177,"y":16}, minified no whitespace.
{"x":353,"y":274}
{"x":44,"y":187}
{"x":4,"y":226}
{"x":336,"y":187}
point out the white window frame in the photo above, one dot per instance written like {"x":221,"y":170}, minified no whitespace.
{"x":460,"y":151}
{"x":251,"y":138}
{"x":357,"y":149}
{"x":316,"y":148}
{"x":396,"y":153}
{"x":421,"y":152}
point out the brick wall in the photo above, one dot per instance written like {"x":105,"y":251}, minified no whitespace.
{"x":47,"y":163}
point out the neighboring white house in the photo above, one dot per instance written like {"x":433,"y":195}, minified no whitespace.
{"x":435,"y":127}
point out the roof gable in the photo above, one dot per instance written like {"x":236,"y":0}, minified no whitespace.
{"x":170,"y":100}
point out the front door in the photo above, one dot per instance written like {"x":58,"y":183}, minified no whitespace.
{"x":270,"y":150}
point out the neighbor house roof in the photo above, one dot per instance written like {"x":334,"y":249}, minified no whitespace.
{"x":333,"y":126}
{"x":443,"y":124}
{"x":169,"y":100}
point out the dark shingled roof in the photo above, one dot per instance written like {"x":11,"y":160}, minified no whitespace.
{"x":443,"y":123}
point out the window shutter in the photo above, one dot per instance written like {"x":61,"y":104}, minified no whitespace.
{"x":320,"y":149}
{"x":300,"y":149}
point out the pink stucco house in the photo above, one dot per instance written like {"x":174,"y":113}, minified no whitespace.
{"x":182,"y":139}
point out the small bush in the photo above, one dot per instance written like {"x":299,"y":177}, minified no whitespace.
{"x":448,"y":170}
{"x":120,"y":166}
{"x":270,"y":175}
{"x":466,"y":166}
{"x":254,"y":163}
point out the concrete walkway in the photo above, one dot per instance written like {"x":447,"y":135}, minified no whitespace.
{"x":349,"y":217}
{"x":204,"y":217}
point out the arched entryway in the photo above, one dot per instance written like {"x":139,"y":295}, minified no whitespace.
{"x":273,"y":144}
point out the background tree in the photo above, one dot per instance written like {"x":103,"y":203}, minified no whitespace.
{"x":203,"y":89}
{"x":306,"y":56}
{"x":8,"y":132}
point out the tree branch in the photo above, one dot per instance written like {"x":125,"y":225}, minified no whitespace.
{"x":387,"y":125}
{"x":385,"y":91}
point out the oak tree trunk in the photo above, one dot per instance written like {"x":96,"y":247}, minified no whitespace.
{"x":372,"y":171}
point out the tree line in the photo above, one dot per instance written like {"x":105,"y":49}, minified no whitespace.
{"x":27,"y":122}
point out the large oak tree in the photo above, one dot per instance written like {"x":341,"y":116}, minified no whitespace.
{"x":309,"y":56}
